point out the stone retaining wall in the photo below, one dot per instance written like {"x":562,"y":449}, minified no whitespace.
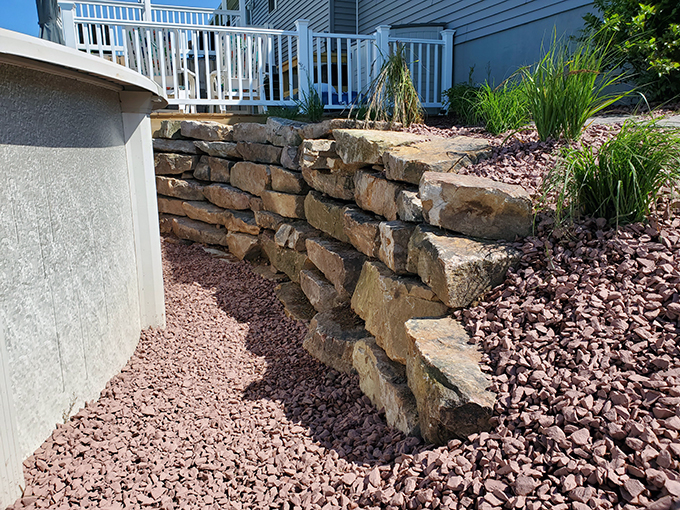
{"x":371,"y":228}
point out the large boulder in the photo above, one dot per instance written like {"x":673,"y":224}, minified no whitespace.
{"x":332,"y":336}
{"x":243,"y":246}
{"x":326,"y":215}
{"x":179,"y":188}
{"x":476,"y":206}
{"x":170,"y":129}
{"x":285,"y":204}
{"x":336,"y":184}
{"x":386,"y":301}
{"x":171,"y":206}
{"x":366,"y":147}
{"x":241,"y":221}
{"x":293,"y":235}
{"x":250,"y":132}
{"x":174,"y":164}
{"x":206,"y":212}
{"x":288,"y":261}
{"x":394,"y":238}
{"x":199,"y":232}
{"x":227,"y":196}
{"x":409,"y":163}
{"x":295,"y":303}
{"x":251,"y":177}
{"x":259,"y":152}
{"x":339,"y":262}
{"x":284,"y":132}
{"x":362,"y":229}
{"x":213,"y":169}
{"x":444,"y":375}
{"x":384,"y":382}
{"x":456,"y":268}
{"x":207,"y":130}
{"x":287,"y":181}
{"x":372,"y":192}
{"x":219,"y":149}
{"x":319,"y":291}
{"x":183,"y":146}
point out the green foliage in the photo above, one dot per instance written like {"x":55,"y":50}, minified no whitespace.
{"x":311,"y":106}
{"x":284,"y":112}
{"x":567,"y":86}
{"x":392,"y":94}
{"x":502,"y":108}
{"x":461,"y":101}
{"x":647,"y":34}
{"x":622,"y":180}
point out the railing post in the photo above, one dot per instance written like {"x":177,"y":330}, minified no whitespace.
{"x":382,"y":42}
{"x":447,"y":58}
{"x":242,"y":13}
{"x":68,"y":24}
{"x":147,"y":10}
{"x":304,"y":47}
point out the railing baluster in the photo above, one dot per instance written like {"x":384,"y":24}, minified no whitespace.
{"x":184,"y":45}
{"x":437,"y":78}
{"x":125,"y":47}
{"x":229,"y":67}
{"x":280,"y":66}
{"x":239,"y":70}
{"x":339,"y":57}
{"x":420,"y":71}
{"x":173,"y":61}
{"x":427,"y":76}
{"x":270,"y":58}
{"x":218,"y":67}
{"x":350,"y":75}
{"x":290,"y":68}
{"x":160,"y":36}
{"x":206,"y":55}
{"x":249,"y":43}
{"x":329,"y":69}
{"x":197,"y":69}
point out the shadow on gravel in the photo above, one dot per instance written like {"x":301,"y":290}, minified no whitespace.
{"x":328,"y":404}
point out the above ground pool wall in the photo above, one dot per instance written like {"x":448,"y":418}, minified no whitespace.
{"x":76,"y":283}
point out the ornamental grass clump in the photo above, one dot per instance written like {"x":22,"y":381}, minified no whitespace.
{"x":567,"y":87}
{"x":461,"y":102}
{"x":502,"y":108}
{"x":621,"y":181}
{"x":393,"y":95}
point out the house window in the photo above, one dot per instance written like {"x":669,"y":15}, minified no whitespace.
{"x":272,"y":5}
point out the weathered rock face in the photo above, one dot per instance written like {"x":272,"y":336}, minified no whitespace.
{"x":314,"y":153}
{"x":409,"y":163}
{"x":366,"y":147}
{"x":476,"y":206}
{"x":444,"y":375}
{"x":326,"y":215}
{"x":251,"y":177}
{"x":206,"y":212}
{"x":295,"y":303}
{"x":458,"y":269}
{"x":337,"y":185}
{"x":338,"y":262}
{"x":362,"y":230}
{"x":227,"y":197}
{"x":183,"y":146}
{"x":241,"y":221}
{"x":179,"y":188}
{"x":373,"y":192}
{"x":394,"y":238}
{"x":268,"y":219}
{"x":294,"y":235}
{"x":174,"y":164}
{"x":169,"y":129}
{"x":409,"y":206}
{"x":213,"y":169}
{"x":199,"y":232}
{"x":320,"y":292}
{"x":284,"y":132}
{"x":171,"y":206}
{"x":165,"y":222}
{"x":207,"y":130}
{"x":384,"y":382}
{"x":290,"y":158}
{"x":386,"y":301}
{"x":219,"y":149}
{"x":285,"y":260}
{"x":324,"y":128}
{"x":250,"y":132}
{"x":290,"y":206}
{"x":286,"y":181}
{"x":332,"y":336}
{"x":243,"y":246}
{"x":259,"y":152}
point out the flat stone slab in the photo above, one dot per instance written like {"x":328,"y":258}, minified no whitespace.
{"x":409,"y":163}
{"x":445,"y":377}
{"x":373,"y":192}
{"x":288,"y":181}
{"x":174,"y":164}
{"x":206,"y":130}
{"x":319,"y":291}
{"x":165,"y":145}
{"x":285,"y":204}
{"x":219,"y":149}
{"x":284,"y":132}
{"x":268,"y":219}
{"x":362,"y":229}
{"x":213,"y":169}
{"x":366,"y":147}
{"x":294,"y":235}
{"x":186,"y":189}
{"x":456,"y":268}
{"x":339,"y":262}
{"x":295,"y":303}
{"x":205,"y":212}
{"x":288,"y":261}
{"x":394,"y":238}
{"x":251,"y":177}
{"x":476,"y":206}
{"x":170,"y":129}
{"x":227,"y":197}
{"x":326,"y":215}
{"x":259,"y":152}
{"x":199,"y":232}
{"x":338,"y":185}
{"x":250,"y":132}
{"x":384,"y":382}
{"x":386,"y":301}
{"x":171,"y":206}
{"x":332,"y":336}
{"x":243,"y":246}
{"x":241,"y":221}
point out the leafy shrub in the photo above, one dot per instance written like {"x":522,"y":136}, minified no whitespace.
{"x":648,"y":36}
{"x":461,"y":102}
{"x":567,"y":86}
{"x":620,"y":181}
{"x":501,"y":108}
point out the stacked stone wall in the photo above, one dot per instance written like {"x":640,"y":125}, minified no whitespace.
{"x":373,"y":228}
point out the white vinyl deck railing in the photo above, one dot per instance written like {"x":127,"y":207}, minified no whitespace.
{"x":201,"y":57}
